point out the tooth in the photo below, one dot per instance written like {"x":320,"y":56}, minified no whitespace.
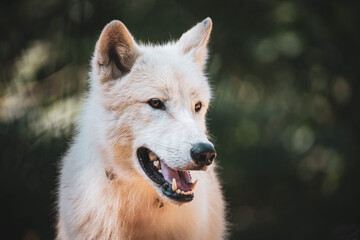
{"x":156,"y":164}
{"x":159,"y":171}
{"x":174,"y":185}
{"x":152,"y":156}
{"x":178,"y":191}
{"x":182,"y":192}
{"x":194,"y":185}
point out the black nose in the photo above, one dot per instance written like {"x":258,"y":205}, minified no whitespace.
{"x":203,"y":154}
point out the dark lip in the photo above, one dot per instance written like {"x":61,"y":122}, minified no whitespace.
{"x":152,"y":172}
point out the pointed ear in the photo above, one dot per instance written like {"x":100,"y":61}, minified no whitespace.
{"x":115,"y":52}
{"x":194,"y":41}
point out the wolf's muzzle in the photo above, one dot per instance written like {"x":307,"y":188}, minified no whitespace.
{"x":203,"y":154}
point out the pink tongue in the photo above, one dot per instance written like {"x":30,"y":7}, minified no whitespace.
{"x":183,"y":180}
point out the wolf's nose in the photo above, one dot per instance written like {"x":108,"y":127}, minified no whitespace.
{"x":203,"y":154}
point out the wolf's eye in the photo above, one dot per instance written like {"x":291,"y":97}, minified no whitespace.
{"x":198,"y":107}
{"x":156,"y":103}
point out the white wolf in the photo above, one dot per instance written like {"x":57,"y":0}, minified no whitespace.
{"x":131,"y":171}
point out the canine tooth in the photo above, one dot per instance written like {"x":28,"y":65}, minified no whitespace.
{"x":178,"y":191}
{"x":174,"y":185}
{"x":194,"y":185}
{"x":157,"y":164}
{"x":152,"y":156}
{"x":159,"y":171}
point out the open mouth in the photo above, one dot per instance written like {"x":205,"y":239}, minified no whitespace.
{"x":175,"y":184}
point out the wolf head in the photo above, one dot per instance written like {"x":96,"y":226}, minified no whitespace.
{"x":152,"y":104}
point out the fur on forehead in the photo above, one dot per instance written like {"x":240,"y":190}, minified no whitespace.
{"x":155,"y":76}
{"x":163,"y":70}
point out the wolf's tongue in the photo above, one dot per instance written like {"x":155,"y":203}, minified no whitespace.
{"x":182,"y":178}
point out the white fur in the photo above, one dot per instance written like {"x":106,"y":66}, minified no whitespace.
{"x":115,"y":122}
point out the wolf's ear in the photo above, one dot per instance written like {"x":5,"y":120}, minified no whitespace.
{"x":195,"y":40}
{"x":115,"y":52}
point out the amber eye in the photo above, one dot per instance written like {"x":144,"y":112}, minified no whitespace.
{"x":156,"y":103}
{"x":198,"y":107}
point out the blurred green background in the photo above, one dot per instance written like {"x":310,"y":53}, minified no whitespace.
{"x":285,"y":117}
